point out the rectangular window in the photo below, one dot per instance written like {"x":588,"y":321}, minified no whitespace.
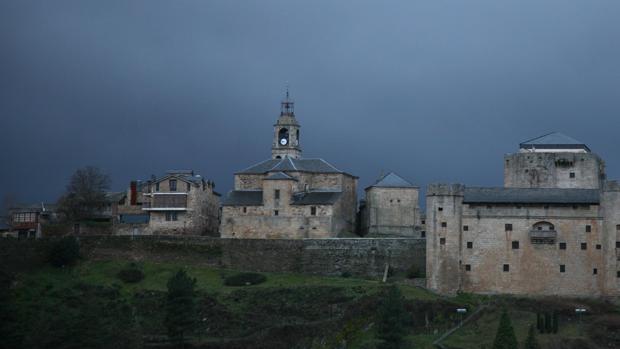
{"x":423,"y":234}
{"x":442,"y":241}
{"x":439,"y":208}
{"x":594,"y":271}
{"x":276,"y":212}
{"x":571,"y":175}
{"x":444,"y":224}
{"x":515,"y":245}
{"x":277,"y":194}
{"x":506,"y":267}
{"x":588,"y":228}
{"x":562,"y":268}
{"x":157,"y":186}
{"x":562,"y":245}
{"x":245,"y":210}
{"x":467,"y":267}
{"x":465,"y":228}
{"x":423,"y":222}
{"x":598,"y":246}
{"x":470,"y":244}
{"x":617,"y":227}
{"x":189,"y":187}
{"x":171,"y":216}
{"x":584,"y":245}
{"x":617,"y":244}
{"x":508,"y":227}
{"x":618,"y":274}
{"x":173,"y":184}
{"x":313,"y":210}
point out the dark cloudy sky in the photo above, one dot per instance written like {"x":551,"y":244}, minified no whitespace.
{"x":434,"y":90}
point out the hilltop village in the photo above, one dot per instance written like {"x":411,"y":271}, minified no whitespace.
{"x":552,"y":229}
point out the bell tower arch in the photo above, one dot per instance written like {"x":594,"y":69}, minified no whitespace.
{"x":286,"y":132}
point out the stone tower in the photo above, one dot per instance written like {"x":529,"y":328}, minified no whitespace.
{"x":286,"y":132}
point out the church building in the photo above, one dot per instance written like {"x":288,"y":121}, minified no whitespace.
{"x":287,"y":196}
{"x":552,"y":229}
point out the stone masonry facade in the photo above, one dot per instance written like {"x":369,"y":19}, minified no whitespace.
{"x":553,"y":229}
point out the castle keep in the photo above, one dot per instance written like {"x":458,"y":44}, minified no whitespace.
{"x":289,"y":196}
{"x":553,"y":229}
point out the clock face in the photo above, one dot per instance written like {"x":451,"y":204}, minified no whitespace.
{"x":283,"y":141}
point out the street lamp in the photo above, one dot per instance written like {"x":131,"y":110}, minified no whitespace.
{"x":461,"y":312}
{"x":579,"y":312}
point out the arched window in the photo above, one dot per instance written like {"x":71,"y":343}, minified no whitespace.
{"x":278,"y":157}
{"x":543,"y":233}
{"x":543,"y":226}
{"x":283,"y":136}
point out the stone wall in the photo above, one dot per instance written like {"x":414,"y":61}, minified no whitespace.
{"x":553,"y":170}
{"x":392,"y":212}
{"x":360,"y":257}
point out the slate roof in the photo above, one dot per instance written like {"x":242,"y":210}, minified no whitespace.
{"x":291,"y":165}
{"x":243,"y":198}
{"x":316,"y":198}
{"x":392,"y":180}
{"x":530,"y":196}
{"x":134,"y":218}
{"x":280,"y":175}
{"x":115,"y":196}
{"x":554,"y":140}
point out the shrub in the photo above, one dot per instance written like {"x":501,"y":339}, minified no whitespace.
{"x":64,"y":252}
{"x":131,"y":274}
{"x":345,"y":274}
{"x":414,"y":272}
{"x":244,"y":279}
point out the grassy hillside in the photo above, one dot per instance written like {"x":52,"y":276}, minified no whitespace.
{"x":89,"y":306}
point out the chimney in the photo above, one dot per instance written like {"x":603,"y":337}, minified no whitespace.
{"x":133,"y":195}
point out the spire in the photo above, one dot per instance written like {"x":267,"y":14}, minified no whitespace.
{"x":287,"y":106}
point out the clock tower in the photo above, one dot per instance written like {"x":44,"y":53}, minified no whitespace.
{"x":286,"y":132}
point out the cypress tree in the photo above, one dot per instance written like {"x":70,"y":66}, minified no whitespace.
{"x":180,"y":307}
{"x":556,"y":318}
{"x":548,"y":325}
{"x":530,"y":341}
{"x":505,"y":337}
{"x":391,"y":322}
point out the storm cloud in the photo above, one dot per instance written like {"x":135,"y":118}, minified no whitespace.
{"x":433,"y":90}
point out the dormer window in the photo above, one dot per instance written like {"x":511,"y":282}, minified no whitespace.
{"x":173,"y":184}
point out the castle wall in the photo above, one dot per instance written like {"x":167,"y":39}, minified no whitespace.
{"x":392,"y":212}
{"x":443,"y":237}
{"x":533,"y":268}
{"x":553,"y":170}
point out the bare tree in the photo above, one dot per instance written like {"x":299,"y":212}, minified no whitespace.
{"x":85,"y":194}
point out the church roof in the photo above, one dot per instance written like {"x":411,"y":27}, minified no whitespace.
{"x":555,"y":140}
{"x":392,"y":180}
{"x":316,"y":198}
{"x":243,"y":198}
{"x":291,"y":165}
{"x":280,"y":175}
{"x":473,"y":195}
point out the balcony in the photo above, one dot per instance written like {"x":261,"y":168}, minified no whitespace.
{"x":543,"y":236}
{"x":166,"y":202}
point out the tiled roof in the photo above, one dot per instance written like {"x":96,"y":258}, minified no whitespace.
{"x":316,"y":198}
{"x":243,"y":198}
{"x":531,"y":196}
{"x":280,"y":175}
{"x":555,"y":140}
{"x":392,"y":180}
{"x":291,"y":165}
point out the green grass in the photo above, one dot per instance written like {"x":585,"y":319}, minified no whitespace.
{"x":481,"y":333}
